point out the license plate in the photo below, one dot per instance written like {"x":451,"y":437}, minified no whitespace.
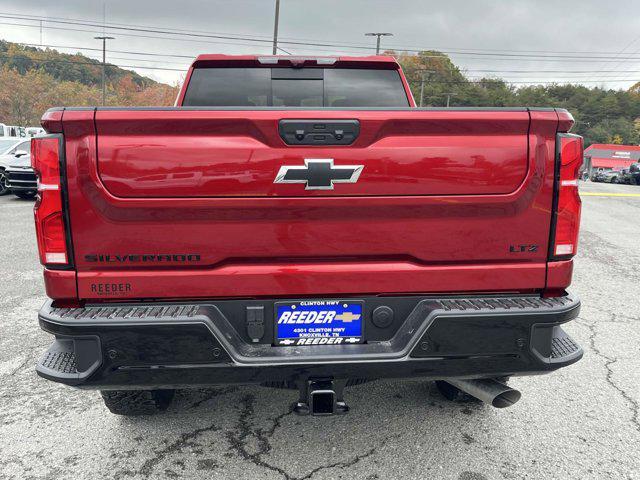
{"x":319,"y":322}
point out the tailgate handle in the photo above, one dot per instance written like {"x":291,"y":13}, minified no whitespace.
{"x":319,"y":132}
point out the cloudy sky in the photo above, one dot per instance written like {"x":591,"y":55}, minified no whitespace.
{"x":594,"y":42}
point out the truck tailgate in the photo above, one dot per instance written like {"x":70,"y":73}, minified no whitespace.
{"x":181,"y":203}
{"x":232,"y":154}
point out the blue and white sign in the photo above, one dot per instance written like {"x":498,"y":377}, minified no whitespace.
{"x":319,"y":322}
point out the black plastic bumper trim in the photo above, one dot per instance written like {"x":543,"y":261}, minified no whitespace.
{"x":528,"y":309}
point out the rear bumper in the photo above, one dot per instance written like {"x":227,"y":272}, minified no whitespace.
{"x":179,"y":345}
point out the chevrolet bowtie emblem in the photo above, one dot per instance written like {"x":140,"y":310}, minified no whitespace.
{"x":319,"y":174}
{"x":348,"y":317}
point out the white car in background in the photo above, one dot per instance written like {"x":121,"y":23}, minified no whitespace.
{"x":11,"y":148}
{"x":34,"y":131}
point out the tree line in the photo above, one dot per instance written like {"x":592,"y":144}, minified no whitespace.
{"x":33,"y":80}
{"x":602,"y":115}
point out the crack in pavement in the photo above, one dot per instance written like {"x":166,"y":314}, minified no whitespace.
{"x":21,"y":366}
{"x":238,"y":443}
{"x":185,"y":440}
{"x":344,"y":464}
{"x":614,"y":317}
{"x":237,"y":440}
{"x":634,"y":407}
{"x":212,"y":395}
{"x":594,"y":247}
{"x":28,"y":358}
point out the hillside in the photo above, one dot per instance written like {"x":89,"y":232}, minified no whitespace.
{"x":63,"y":66}
{"x":33,"y":80}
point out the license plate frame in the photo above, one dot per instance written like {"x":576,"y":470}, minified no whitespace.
{"x":335,"y":322}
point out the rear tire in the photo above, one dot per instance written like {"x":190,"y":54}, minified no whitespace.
{"x":137,"y":402}
{"x":25,"y":195}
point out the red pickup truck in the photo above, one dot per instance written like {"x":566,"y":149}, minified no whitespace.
{"x":298,"y":222}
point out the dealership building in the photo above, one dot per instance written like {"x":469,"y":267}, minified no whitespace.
{"x":603,"y":156}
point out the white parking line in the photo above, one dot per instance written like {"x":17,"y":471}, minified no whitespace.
{"x":605,"y":194}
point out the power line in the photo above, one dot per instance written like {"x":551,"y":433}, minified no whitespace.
{"x":442,"y":82}
{"x":95,"y":64}
{"x":629,"y":71}
{"x":185,"y":67}
{"x":475,"y":80}
{"x":48,"y":17}
{"x":621,"y":51}
{"x":554,"y":60}
{"x":470,"y":80}
{"x":530,"y":81}
{"x":109,"y":51}
{"x":192,"y":57}
{"x":194,"y":34}
{"x":265,"y":39}
{"x":164,"y":62}
{"x":67,"y":29}
{"x":344,"y":43}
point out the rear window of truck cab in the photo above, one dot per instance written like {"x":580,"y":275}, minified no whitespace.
{"x":294,"y":87}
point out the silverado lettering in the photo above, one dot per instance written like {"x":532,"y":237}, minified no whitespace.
{"x":334,"y":220}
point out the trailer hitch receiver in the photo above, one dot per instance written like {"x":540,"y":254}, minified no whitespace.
{"x":321,"y":397}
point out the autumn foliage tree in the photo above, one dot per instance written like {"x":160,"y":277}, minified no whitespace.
{"x":24,"y":98}
{"x":34,"y":80}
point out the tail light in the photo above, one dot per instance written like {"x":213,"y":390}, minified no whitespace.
{"x":49,"y":217}
{"x":567,"y":200}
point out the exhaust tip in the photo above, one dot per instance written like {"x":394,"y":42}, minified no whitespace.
{"x":506,"y":399}
{"x":490,"y":391}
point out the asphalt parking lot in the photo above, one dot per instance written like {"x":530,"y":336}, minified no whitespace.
{"x":580,"y":422}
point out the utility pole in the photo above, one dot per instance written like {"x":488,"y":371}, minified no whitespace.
{"x":104,"y":62}
{"x":275,"y":28}
{"x":422,"y":79}
{"x":40,"y":33}
{"x":378,"y":34}
{"x":449,"y":95}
